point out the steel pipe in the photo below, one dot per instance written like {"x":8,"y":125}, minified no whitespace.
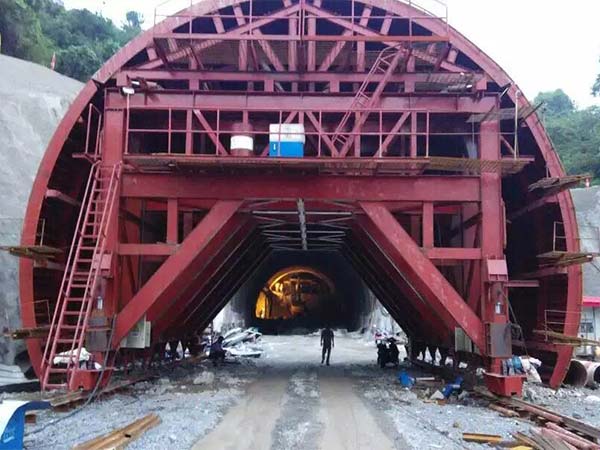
{"x":577,"y":374}
{"x":593,"y":372}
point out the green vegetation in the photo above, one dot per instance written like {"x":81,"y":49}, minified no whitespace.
{"x":575,"y":132}
{"x":36,"y":29}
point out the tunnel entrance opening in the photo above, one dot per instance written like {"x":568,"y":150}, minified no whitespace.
{"x":296,"y":292}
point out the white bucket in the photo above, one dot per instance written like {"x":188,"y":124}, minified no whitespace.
{"x":242,"y":143}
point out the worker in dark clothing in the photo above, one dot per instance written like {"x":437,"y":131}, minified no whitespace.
{"x":326,"y":343}
{"x":217,"y":353}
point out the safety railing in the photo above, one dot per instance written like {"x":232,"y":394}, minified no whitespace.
{"x":93,"y":132}
{"x":10,"y":231}
{"x":557,"y":321}
{"x":183,"y":130}
{"x":589,"y":238}
{"x":559,"y":237}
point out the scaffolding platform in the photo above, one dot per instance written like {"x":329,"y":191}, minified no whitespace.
{"x":28,"y":333}
{"x":553,"y":185}
{"x":504,"y":114}
{"x":37,"y":252}
{"x":365,"y":166}
{"x":506,"y":166}
{"x":563,"y":259}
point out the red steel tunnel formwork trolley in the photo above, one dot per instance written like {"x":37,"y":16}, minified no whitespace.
{"x":421,"y":163}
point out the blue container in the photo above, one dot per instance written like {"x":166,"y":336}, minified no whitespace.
{"x":287,"y":150}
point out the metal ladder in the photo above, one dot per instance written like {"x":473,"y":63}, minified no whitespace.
{"x":78,"y":288}
{"x":385,"y":64}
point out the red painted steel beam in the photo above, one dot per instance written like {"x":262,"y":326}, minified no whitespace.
{"x":172,"y":221}
{"x":204,"y":277}
{"x":289,"y":101}
{"x":231,"y":233}
{"x":225,"y":288}
{"x":177,"y":270}
{"x":420,"y":271}
{"x":389,"y":269}
{"x":127,"y":249}
{"x":309,"y":187}
{"x":218,"y":302}
{"x":257,"y":36}
{"x":424,"y":311}
{"x":383,"y":149}
{"x":236,"y":262}
{"x":449,"y":253}
{"x":211,"y":133}
{"x":216,"y":38}
{"x":370,"y":276}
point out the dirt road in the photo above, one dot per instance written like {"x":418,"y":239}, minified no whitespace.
{"x":299,"y":404}
{"x":343,"y":420}
{"x":247,"y":425}
{"x":348,"y":423}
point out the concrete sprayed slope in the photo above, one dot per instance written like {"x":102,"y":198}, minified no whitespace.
{"x":587,"y":208}
{"x":33,"y":100}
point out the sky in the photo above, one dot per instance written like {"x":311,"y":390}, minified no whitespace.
{"x":542,"y":44}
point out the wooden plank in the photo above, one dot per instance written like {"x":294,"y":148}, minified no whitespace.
{"x":32,"y":251}
{"x":28,"y":333}
{"x":120,"y":438}
{"x":552,"y":416}
{"x":482,"y":438}
{"x":504,"y":411}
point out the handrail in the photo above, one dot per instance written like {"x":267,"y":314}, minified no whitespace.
{"x":96,"y":263}
{"x":67,"y":277}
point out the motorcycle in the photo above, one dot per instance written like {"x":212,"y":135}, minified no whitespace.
{"x":387,"y":352}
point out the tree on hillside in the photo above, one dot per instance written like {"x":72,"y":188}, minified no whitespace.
{"x":574,"y":132}
{"x":555,"y":102}
{"x":82,"y":40}
{"x":133,"y":25}
{"x":22,"y":34}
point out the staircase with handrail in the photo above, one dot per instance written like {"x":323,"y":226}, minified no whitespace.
{"x":70,"y":322}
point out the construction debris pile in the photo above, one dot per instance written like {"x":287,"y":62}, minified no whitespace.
{"x":240,"y":342}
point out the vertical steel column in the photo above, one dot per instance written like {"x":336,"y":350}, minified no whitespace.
{"x":172,"y":221}
{"x":494,"y":308}
{"x":112,"y":153}
{"x":427,"y":232}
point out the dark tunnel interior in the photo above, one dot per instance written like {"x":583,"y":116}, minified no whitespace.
{"x":299,"y":291}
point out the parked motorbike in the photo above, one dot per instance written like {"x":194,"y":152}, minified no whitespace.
{"x":387,"y":352}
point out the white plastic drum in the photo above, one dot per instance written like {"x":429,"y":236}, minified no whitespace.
{"x":242,"y":140}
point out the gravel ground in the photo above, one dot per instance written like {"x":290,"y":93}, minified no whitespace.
{"x":187,"y":410}
{"x":362,"y":393}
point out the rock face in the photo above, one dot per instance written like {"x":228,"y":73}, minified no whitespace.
{"x":587,"y":208}
{"x":33,"y":100}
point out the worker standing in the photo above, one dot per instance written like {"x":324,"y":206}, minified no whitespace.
{"x":217,"y":353}
{"x":327,"y":343}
